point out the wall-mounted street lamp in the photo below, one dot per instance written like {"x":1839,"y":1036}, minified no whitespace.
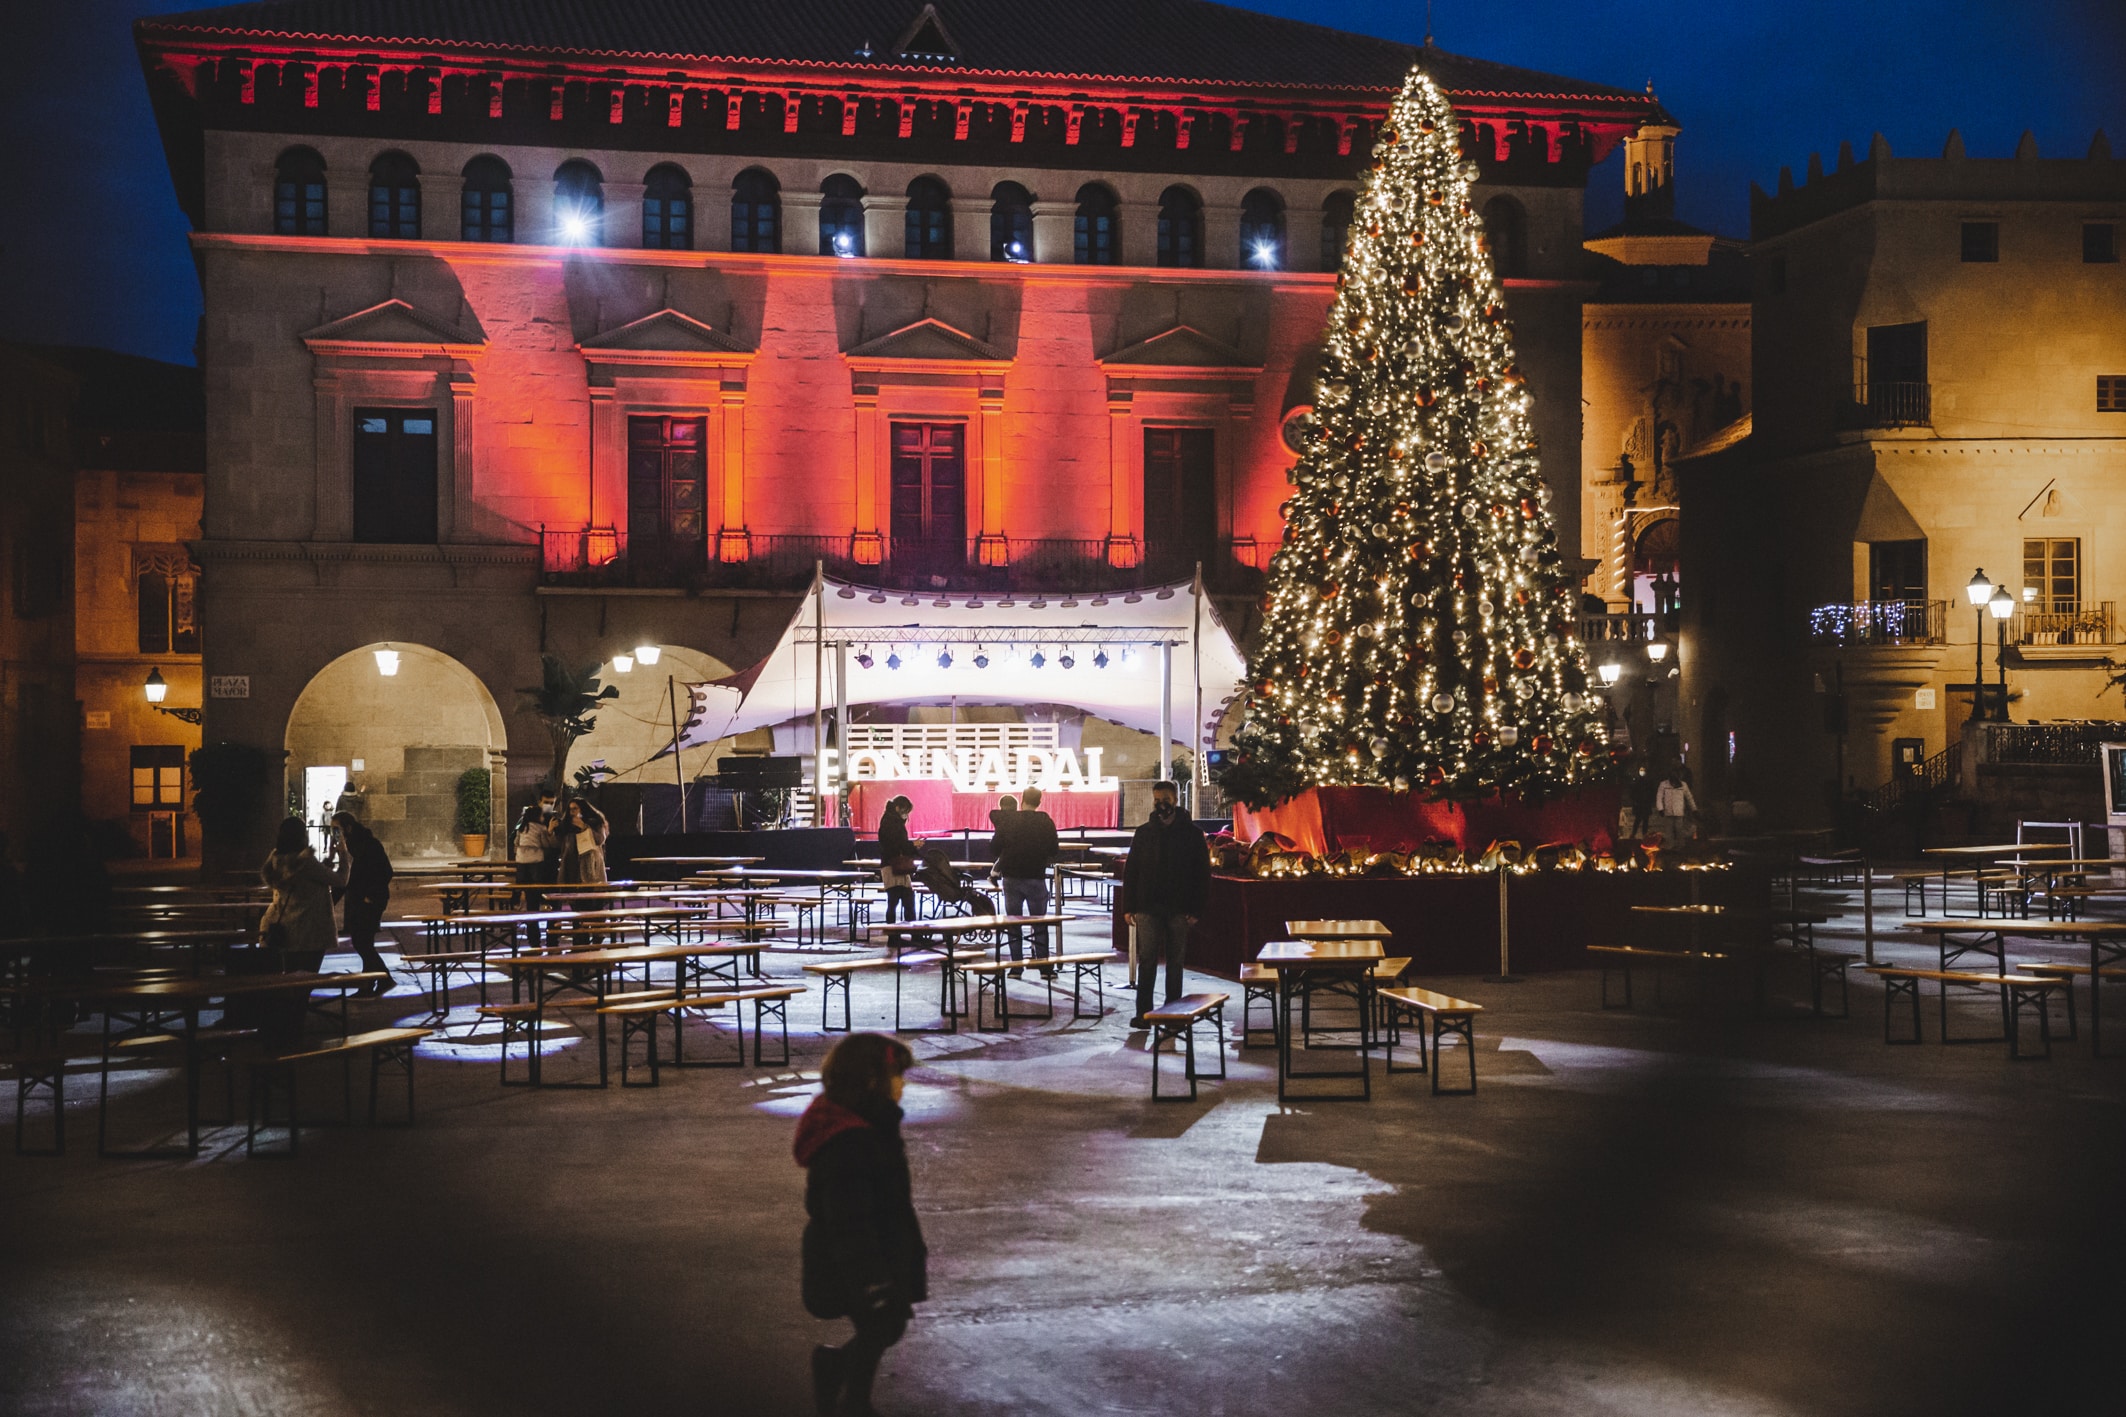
{"x":157,"y":688}
{"x":623,"y":663}
{"x":2000,"y":607}
{"x":648,"y":654}
{"x":1656,"y":649}
{"x":1610,"y":672}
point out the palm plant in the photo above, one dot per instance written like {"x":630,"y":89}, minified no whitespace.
{"x":566,"y":703}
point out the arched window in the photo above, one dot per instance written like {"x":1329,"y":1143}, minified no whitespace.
{"x":1010,"y":223}
{"x":1180,"y":228}
{"x":395,"y":198}
{"x":667,"y":209}
{"x":488,"y":211}
{"x":1097,"y":239}
{"x":579,"y":205}
{"x":756,"y":212}
{"x":1506,"y":223}
{"x":841,"y":216}
{"x":1336,"y":228}
{"x":1262,"y":230}
{"x":929,"y":220}
{"x":299,"y":193}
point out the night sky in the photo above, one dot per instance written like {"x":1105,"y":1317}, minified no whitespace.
{"x":93,"y":249}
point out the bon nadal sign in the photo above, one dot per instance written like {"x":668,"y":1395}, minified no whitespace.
{"x":1007,"y":769}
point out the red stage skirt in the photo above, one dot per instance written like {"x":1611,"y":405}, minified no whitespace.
{"x":938,"y":809}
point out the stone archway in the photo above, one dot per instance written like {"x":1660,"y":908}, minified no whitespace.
{"x":404,"y":740}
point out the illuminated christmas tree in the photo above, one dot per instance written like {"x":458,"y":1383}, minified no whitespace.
{"x":1418,"y":622}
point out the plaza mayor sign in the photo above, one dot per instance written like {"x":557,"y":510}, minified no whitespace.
{"x":988,"y":769}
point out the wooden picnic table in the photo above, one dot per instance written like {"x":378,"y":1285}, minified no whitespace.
{"x":2106,"y":940}
{"x":36,"y":953}
{"x":1337,"y":930}
{"x":700,"y":860}
{"x":842,"y":882}
{"x":590,"y":972}
{"x":1302,"y":965}
{"x":1978,"y":857}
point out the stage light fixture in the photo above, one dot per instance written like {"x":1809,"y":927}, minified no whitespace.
{"x":1038,"y":659}
{"x":1064,"y":659}
{"x":893,"y":661}
{"x":1100,"y":660}
{"x":981,"y":660}
{"x":944,"y":659}
{"x":863,"y":659}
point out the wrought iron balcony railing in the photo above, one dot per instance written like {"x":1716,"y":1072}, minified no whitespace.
{"x":605,"y":557}
{"x":1879,"y":622}
{"x":1889,"y":404}
{"x":2065,"y":625}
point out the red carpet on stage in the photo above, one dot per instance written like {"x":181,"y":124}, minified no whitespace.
{"x":1326,"y":820}
{"x":939,"y":809}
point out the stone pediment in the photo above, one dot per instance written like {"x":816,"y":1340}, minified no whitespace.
{"x":667,"y":332}
{"x":930,"y":339}
{"x":394,"y":327}
{"x":1182,"y":347}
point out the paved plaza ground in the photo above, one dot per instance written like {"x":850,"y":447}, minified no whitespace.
{"x":1671,"y":1211}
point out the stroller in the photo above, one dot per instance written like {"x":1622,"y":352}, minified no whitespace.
{"x":948,"y":885}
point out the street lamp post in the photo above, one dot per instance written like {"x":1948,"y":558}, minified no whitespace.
{"x":157,"y":688}
{"x":2001,"y":606}
{"x":1980,"y":590}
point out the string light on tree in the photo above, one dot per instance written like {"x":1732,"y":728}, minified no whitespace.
{"x":1418,"y":620}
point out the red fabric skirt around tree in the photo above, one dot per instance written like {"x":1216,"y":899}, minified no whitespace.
{"x":1326,"y":820}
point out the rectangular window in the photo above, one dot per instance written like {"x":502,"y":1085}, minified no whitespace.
{"x":395,"y":475}
{"x":1180,"y":495}
{"x":158,"y":777}
{"x":169,"y":623}
{"x":1897,"y":570}
{"x":2111,"y":393}
{"x":929,"y":477}
{"x":667,"y":490}
{"x":1982,"y":241}
{"x":2100,"y":243}
{"x":2052,"y":566}
{"x":40,"y":576}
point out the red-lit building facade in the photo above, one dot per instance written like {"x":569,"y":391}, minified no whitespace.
{"x":564,"y":327}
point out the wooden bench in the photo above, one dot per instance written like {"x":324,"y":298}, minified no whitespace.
{"x":2067,"y":974}
{"x":1178,"y":1020}
{"x":43,"y":1065}
{"x":221,"y":1044}
{"x":1916,"y":882}
{"x":1447,"y":1016}
{"x":524,"y":1018}
{"x":342,"y":987}
{"x":1624,"y":957}
{"x":383,"y":1046}
{"x":836,"y":974}
{"x":2019,"y":991}
{"x":1258,"y":984}
{"x":992,"y":980}
{"x":766,"y":999}
{"x":2005,"y":891}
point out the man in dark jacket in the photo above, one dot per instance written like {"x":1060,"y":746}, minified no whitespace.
{"x":864,"y":1257}
{"x":362,"y":875}
{"x":1026,"y":851}
{"x":1164,"y":886}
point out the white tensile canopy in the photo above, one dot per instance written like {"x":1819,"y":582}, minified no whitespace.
{"x":1116,"y":644}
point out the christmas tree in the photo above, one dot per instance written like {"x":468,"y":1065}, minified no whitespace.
{"x":1418,"y":623}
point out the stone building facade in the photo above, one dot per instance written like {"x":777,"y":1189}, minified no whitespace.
{"x":541,"y":331}
{"x":1939,"y":368}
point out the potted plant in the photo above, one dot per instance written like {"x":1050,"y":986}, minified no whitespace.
{"x":474,"y":811}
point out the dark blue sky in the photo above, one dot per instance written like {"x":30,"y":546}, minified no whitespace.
{"x":92,"y":246}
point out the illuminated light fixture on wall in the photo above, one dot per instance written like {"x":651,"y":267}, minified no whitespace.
{"x":2029,"y":595}
{"x":387,"y":661}
{"x":1016,"y":252}
{"x":575,"y":228}
{"x":623,"y":663}
{"x":156,"y":690}
{"x":893,"y":661}
{"x":863,"y":659}
{"x":944,"y":659}
{"x":1100,"y":660}
{"x":1657,"y":649}
{"x":981,"y":659}
{"x":648,"y":654}
{"x":1064,"y":659}
{"x":1038,"y":659}
{"x":1265,"y":255}
{"x":1611,"y":672}
{"x":844,"y":245}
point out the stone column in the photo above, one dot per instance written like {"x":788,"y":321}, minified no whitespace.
{"x":623,"y":213}
{"x":970,"y":227}
{"x":1122,"y":490}
{"x":992,"y":548}
{"x":886,"y":225}
{"x":868,"y":546}
{"x":1221,"y":237}
{"x":734,"y":542}
{"x":1302,"y":239}
{"x":1140,"y":233}
{"x":1055,"y":232}
{"x":800,"y":223}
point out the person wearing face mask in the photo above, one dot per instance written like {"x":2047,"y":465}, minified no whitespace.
{"x":1164,"y":884}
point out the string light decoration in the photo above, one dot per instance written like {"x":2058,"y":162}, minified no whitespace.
{"x":1418,"y":622}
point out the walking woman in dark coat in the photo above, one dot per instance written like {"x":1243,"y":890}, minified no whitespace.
{"x":864,"y":1252}
{"x":363,"y":875}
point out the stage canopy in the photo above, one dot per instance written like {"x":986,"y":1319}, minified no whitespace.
{"x":1101,"y":654}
